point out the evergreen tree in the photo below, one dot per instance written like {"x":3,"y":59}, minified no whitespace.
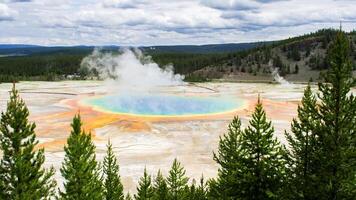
{"x":323,"y":147}
{"x":263,"y":160}
{"x":21,"y":168}
{"x":112,"y":183}
{"x":296,"y":69}
{"x":202,"y":190}
{"x":288,"y":69}
{"x":308,"y":51}
{"x":145,"y":190}
{"x":128,"y":196}
{"x":304,"y":144}
{"x":296,"y":54}
{"x":228,"y":157}
{"x":198,"y":192}
{"x":336,"y":132}
{"x":160,"y":187}
{"x":80,"y":169}
{"x":252,"y":161}
{"x":177,"y":182}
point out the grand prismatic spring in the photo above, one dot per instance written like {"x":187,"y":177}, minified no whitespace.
{"x":151,"y":129}
{"x":164,"y":105}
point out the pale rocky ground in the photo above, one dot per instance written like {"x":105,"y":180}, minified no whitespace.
{"x":143,"y":141}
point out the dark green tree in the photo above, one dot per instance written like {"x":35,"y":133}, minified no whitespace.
{"x":296,"y":54}
{"x":198,"y":192}
{"x":278,"y":63}
{"x":128,"y":196}
{"x":80,"y":168}
{"x":263,"y":161}
{"x":160,"y":187}
{"x":323,"y":145}
{"x":336,"y":132}
{"x":22,"y":175}
{"x":307,"y":51}
{"x":296,"y":69}
{"x":113,"y":189}
{"x":303,"y":147}
{"x":177,"y":182}
{"x":145,"y":190}
{"x":228,"y":157}
{"x":288,"y":69}
{"x":252,"y":161}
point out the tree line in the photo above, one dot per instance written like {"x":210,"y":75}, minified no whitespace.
{"x":39,"y":67}
{"x":318,"y":163}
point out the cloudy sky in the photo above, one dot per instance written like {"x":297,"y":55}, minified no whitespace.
{"x":166,"y":22}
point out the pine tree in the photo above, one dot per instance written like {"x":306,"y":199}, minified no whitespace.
{"x":177,"y":182}
{"x":263,"y":164}
{"x":112,"y":184}
{"x":202,"y":190}
{"x":252,"y":162}
{"x":296,"y":69}
{"x":337,"y":129}
{"x":80,"y":169}
{"x":327,"y":132}
{"x":160,"y":187}
{"x":198,"y":192}
{"x":145,"y":190}
{"x":21,"y":168}
{"x":228,"y":157}
{"x":128,"y":196}
{"x":304,"y":144}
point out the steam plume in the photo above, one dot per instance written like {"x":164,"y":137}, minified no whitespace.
{"x":275,"y":74}
{"x":130,"y":69}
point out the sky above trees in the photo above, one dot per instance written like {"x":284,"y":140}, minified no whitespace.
{"x":166,"y":22}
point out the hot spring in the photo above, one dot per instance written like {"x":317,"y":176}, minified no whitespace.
{"x":131,"y":66}
{"x":163,"y":104}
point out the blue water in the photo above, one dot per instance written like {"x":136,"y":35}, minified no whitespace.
{"x":164,"y":104}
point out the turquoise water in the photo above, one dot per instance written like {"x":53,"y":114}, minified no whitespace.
{"x":164,"y":104}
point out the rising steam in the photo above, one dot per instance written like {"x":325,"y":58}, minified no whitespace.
{"x":278,"y":78}
{"x":130,"y":69}
{"x":275,"y":74}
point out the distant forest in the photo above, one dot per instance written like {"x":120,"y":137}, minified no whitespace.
{"x":56,"y":63}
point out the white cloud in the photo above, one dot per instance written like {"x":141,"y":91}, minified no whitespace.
{"x":14,"y":1}
{"x":6,"y":13}
{"x":147,"y":22}
{"x":297,"y":12}
{"x":123,"y":3}
{"x":231,"y":4}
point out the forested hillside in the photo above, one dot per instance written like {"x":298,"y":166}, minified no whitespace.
{"x":298,"y":59}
